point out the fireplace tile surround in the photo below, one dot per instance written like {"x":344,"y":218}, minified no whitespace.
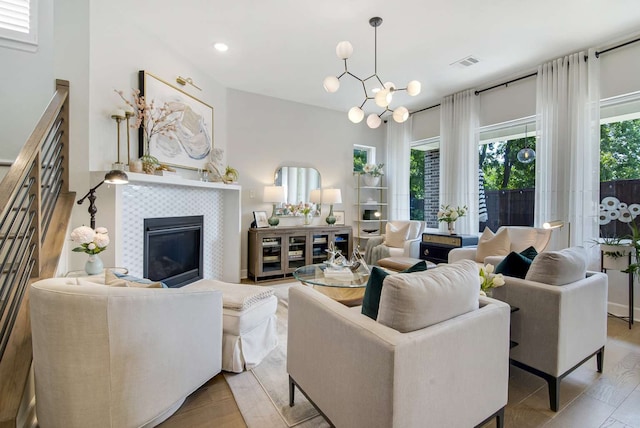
{"x":122,"y":210}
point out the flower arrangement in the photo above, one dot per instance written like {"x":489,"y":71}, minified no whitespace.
{"x":489,"y":280}
{"x":450,"y":214}
{"x":91,"y":241}
{"x":302,"y":208}
{"x":153,"y":120}
{"x":373,"y":169}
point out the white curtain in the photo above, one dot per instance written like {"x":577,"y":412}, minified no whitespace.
{"x":459,"y":140}
{"x":397,"y":168}
{"x":568,"y":148}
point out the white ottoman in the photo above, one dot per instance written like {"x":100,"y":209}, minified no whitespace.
{"x":249,"y":329}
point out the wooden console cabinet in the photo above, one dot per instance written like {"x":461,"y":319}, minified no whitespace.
{"x":277,"y":252}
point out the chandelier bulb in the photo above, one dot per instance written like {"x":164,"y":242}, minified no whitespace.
{"x":331,"y":84}
{"x":356,"y":114}
{"x":383,"y":98}
{"x":373,"y":121}
{"x":344,"y":50}
{"x":413,"y":88}
{"x":401,"y":114}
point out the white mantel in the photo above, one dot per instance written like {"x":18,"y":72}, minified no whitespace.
{"x":122,"y":210}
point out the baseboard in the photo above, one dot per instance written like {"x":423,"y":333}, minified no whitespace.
{"x":622,"y":310}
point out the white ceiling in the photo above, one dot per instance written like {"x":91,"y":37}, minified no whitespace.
{"x":285,"y":48}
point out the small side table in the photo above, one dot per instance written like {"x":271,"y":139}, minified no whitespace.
{"x":628,"y":318}
{"x":435,"y":247}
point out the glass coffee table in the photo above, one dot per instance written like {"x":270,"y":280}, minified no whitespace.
{"x":344,"y":286}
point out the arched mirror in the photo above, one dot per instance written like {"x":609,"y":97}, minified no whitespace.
{"x":301,"y":186}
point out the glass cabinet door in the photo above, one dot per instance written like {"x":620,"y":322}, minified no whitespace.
{"x":319,"y":246}
{"x":341,"y":242}
{"x":271,"y":254}
{"x":296,"y":251}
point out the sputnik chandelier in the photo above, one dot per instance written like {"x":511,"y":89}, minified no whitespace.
{"x":383,"y":95}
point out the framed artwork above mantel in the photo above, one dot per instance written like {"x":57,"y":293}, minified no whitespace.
{"x":190,"y":144}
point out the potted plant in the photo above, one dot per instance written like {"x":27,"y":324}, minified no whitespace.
{"x":634,"y":248}
{"x":615,"y":252}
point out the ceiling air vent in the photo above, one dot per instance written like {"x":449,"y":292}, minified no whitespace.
{"x":466,"y":62}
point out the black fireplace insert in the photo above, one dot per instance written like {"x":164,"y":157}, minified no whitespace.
{"x":173,"y":249}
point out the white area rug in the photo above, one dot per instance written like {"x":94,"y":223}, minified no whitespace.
{"x":262,"y":394}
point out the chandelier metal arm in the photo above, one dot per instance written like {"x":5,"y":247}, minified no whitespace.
{"x":383,"y":98}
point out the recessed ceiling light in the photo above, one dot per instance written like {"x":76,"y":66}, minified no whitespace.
{"x":221,"y":47}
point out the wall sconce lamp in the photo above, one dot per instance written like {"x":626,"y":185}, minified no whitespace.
{"x":112,"y":177}
{"x":275,"y":195}
{"x":559,"y":224}
{"x":331,"y":196}
{"x":184,"y":80}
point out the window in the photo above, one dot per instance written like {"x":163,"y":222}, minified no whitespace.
{"x":363,"y":155}
{"x":424,"y":181}
{"x":509,"y":184}
{"x":18,"y":24}
{"x":619,"y":164}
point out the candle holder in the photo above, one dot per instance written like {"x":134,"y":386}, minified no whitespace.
{"x":118,"y":116}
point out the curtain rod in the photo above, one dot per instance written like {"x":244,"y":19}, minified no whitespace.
{"x":598,"y":53}
{"x":425,"y":109}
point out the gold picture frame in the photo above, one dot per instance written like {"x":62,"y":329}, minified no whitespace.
{"x":191,"y":143}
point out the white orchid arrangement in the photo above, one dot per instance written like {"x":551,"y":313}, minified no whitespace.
{"x":488,"y":279}
{"x":450,"y":214}
{"x":302,"y":208}
{"x":91,"y":241}
{"x":373,"y":169}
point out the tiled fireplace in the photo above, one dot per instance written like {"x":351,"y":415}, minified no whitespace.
{"x":123,"y":210}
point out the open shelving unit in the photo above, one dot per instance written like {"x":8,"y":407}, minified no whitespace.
{"x":369,"y":199}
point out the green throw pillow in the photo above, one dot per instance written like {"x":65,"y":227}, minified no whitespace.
{"x":529,"y":253}
{"x":373,"y":291}
{"x":517,"y":264}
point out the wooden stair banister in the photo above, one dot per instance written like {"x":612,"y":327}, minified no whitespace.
{"x":37,"y":206}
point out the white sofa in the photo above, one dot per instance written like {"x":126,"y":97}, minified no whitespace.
{"x":520,"y":237}
{"x":361,"y":373}
{"x":120,"y":356}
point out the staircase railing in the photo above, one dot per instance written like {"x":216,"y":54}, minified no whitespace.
{"x":36,"y":205}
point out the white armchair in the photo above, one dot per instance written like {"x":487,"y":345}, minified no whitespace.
{"x":520,"y":238}
{"x":361,"y":373}
{"x":394,"y":243}
{"x":557,"y":327}
{"x":120,"y":356}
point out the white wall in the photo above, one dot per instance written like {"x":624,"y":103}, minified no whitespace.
{"x":265,"y":133}
{"x":100,"y":48}
{"x":27,"y":85}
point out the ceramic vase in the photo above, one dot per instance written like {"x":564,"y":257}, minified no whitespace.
{"x":451,"y":226}
{"x":307,"y":219}
{"x":94,"y":265}
{"x":370,"y":180}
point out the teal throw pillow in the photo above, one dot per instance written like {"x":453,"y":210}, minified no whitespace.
{"x":373,"y":291}
{"x":529,"y":253}
{"x":515,"y":265}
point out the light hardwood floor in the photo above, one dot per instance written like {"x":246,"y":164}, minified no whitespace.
{"x":587,"y":398}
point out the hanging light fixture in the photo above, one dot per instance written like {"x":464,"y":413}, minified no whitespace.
{"x":526,"y":155}
{"x":382,"y":96}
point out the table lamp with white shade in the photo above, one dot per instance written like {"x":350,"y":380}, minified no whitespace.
{"x":315,"y":197}
{"x":275,"y":195}
{"x":331,"y":196}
